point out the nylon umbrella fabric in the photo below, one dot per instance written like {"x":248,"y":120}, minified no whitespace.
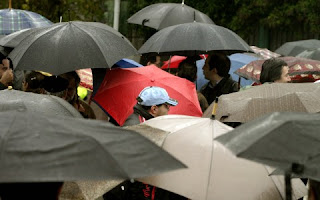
{"x":212,"y":169}
{"x":162,"y":15}
{"x":40,"y":103}
{"x":310,"y":54}
{"x":264,"y":52}
{"x":300,"y":69}
{"x":280,"y":140}
{"x":193,"y":39}
{"x":12,"y":20}
{"x":68,"y":149}
{"x":118,"y":92}
{"x":69,"y":46}
{"x":259,"y":100}
{"x":296,"y":47}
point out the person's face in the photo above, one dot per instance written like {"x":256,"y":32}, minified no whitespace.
{"x":157,"y":111}
{"x":285,"y":78}
{"x":4,"y":66}
{"x":72,"y":90}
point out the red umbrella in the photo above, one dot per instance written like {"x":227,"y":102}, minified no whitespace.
{"x":120,"y":88}
{"x":300,"y":69}
{"x":176,"y":60}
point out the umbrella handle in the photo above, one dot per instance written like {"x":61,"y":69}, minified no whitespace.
{"x":287,"y":179}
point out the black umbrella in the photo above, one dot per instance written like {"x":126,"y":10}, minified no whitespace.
{"x":68,"y":46}
{"x":193,"y":39}
{"x":44,"y":148}
{"x":296,"y":47}
{"x":40,"y":103}
{"x":288,"y":141}
{"x":162,"y":15}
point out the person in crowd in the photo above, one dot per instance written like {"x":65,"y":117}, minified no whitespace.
{"x":274,"y":70}
{"x":314,"y":190}
{"x":72,"y":96}
{"x":152,"y":102}
{"x":35,"y":191}
{"x":187,"y":69}
{"x":216,"y":70}
{"x":33,"y":82}
{"x":55,"y":85}
{"x":6,"y":74}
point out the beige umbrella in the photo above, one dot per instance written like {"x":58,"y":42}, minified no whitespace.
{"x":213,"y":171}
{"x":249,"y":104}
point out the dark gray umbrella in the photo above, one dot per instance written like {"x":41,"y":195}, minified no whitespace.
{"x":68,"y":46}
{"x":162,"y":15}
{"x":310,"y":54}
{"x":12,"y":40}
{"x":40,"y":103}
{"x":288,"y":141}
{"x":36,"y":148}
{"x":296,"y":47}
{"x":193,"y":39}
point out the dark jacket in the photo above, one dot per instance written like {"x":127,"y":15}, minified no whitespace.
{"x":137,"y":115}
{"x":225,"y":86}
{"x":3,"y":87}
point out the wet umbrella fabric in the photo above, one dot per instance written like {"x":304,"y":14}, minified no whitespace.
{"x":310,"y":54}
{"x":193,"y":39}
{"x":212,"y":170}
{"x":300,"y":69}
{"x":118,"y":92}
{"x":296,"y":47}
{"x":44,"y":148}
{"x":259,"y":100}
{"x":40,"y":103}
{"x":69,"y":46}
{"x":162,"y":15}
{"x":12,"y":20}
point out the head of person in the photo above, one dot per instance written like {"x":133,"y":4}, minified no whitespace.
{"x":55,"y":85}
{"x":274,"y":70}
{"x":187,"y":69}
{"x":33,"y":82}
{"x":36,"y":190}
{"x":74,"y":81}
{"x":156,"y":101}
{"x":216,"y":65}
{"x":4,"y":64}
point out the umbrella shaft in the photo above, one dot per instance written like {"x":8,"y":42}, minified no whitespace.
{"x":288,"y":186}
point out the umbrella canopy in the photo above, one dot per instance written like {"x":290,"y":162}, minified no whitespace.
{"x":162,"y":15}
{"x":289,"y":141}
{"x":310,"y":54}
{"x":264,"y":52}
{"x":212,"y":170}
{"x":252,"y":103}
{"x":296,"y":47}
{"x":12,"y":20}
{"x":118,"y":92}
{"x":69,"y":46}
{"x":300,"y":69}
{"x":44,"y":148}
{"x":193,"y":39}
{"x":40,"y":103}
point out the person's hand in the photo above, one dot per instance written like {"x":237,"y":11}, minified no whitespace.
{"x":7,"y":77}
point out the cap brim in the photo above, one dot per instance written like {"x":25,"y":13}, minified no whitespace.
{"x":172,"y":102}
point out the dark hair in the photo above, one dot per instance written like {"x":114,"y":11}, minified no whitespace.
{"x":36,"y":190}
{"x":188,"y":70}
{"x":315,"y":188}
{"x":221,"y":62}
{"x":34,"y":80}
{"x":70,"y":75}
{"x":272,"y":70}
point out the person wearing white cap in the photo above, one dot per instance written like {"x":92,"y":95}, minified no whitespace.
{"x":152,"y":102}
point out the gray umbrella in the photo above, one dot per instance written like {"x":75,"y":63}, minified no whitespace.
{"x":12,"y":40}
{"x":36,"y":148}
{"x":162,"y":15}
{"x":193,"y":39}
{"x":40,"y":103}
{"x":68,"y":46}
{"x":296,"y":47}
{"x":289,"y":141}
{"x":310,"y":54}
